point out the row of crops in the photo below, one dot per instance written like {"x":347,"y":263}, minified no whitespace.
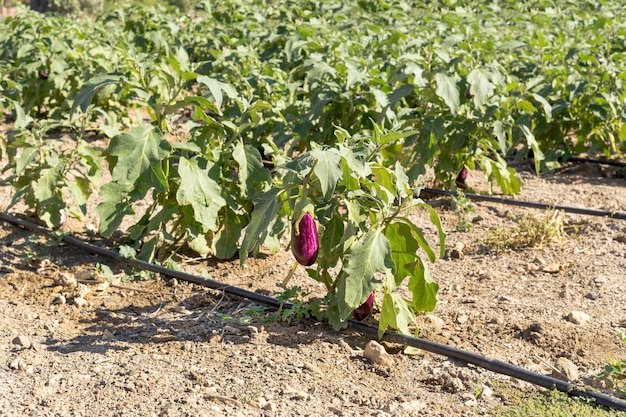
{"x":238,"y":116}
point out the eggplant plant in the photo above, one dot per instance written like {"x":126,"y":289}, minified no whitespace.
{"x":367,"y":241}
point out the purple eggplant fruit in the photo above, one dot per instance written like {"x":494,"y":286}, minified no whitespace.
{"x":364,"y":309}
{"x":460,"y":179}
{"x":304,"y":241}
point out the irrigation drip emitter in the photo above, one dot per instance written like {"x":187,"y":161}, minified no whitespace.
{"x":490,"y":364}
{"x":530,"y":204}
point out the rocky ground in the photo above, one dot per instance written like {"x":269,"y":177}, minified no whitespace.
{"x":77,"y":339}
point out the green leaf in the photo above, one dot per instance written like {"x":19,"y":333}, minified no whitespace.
{"x":266,"y":207}
{"x":385,"y":185}
{"x":481,"y":87}
{"x":423,"y":288}
{"x":526,"y":106}
{"x":327,"y":169}
{"x":197,"y":241}
{"x":27,"y":156}
{"x":137,"y":158}
{"x":395,"y":313}
{"x":547,"y":107}
{"x":148,"y":250}
{"x":538,"y":156}
{"x":403,"y":251}
{"x":22,"y":120}
{"x":216,"y":88}
{"x":366,"y":256}
{"x":448,"y":91}
{"x":355,"y":163}
{"x":88,"y":90}
{"x":400,"y":93}
{"x":199,"y":190}
{"x":226,"y":240}
{"x":114,"y":207}
{"x":330,"y":242}
{"x":47,"y":184}
{"x":434,"y":219}
{"x":252,"y":174}
{"x":80,"y":188}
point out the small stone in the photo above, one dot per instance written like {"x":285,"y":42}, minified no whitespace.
{"x":375,"y":352}
{"x":531,"y":267}
{"x":345,"y":346}
{"x":486,"y":393}
{"x":231,"y":330}
{"x":552,"y":268}
{"x":536,"y":328}
{"x":457,"y":252}
{"x":82,"y":290}
{"x":565,"y":369}
{"x":336,"y":410}
{"x":312,"y":368}
{"x":67,"y":280}
{"x":295,"y":394}
{"x":215,"y":339}
{"x":412,"y":407}
{"x":59,"y":299}
{"x":578,"y":317}
{"x":22,"y":341}
{"x":102,"y":287}
{"x":107,"y":335}
{"x":16,"y":364}
{"x":434,"y":323}
{"x":80,"y":302}
{"x":462,"y":318}
{"x":599,"y":280}
{"x":260,"y":402}
{"x":269,"y":406}
{"x":507,"y":299}
{"x":591,"y":295}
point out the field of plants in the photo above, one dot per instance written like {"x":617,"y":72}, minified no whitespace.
{"x":237,"y":128}
{"x":348,"y":104}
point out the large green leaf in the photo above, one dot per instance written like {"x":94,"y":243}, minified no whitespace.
{"x":137,"y":157}
{"x":327,"y":169}
{"x":365,"y":257}
{"x":266,"y":207}
{"x":48,"y":182}
{"x":227,"y":238}
{"x":395,"y":313}
{"x":22,"y":120}
{"x":481,"y":86}
{"x":403,"y":251}
{"x":85,"y":94}
{"x":200,"y":191}
{"x":27,"y":156}
{"x":538,"y":156}
{"x":434,"y":219}
{"x":252,"y":174}
{"x":448,"y":91}
{"x":330,"y":243}
{"x":114,"y":207}
{"x":423,"y":289}
{"x":216,"y":88}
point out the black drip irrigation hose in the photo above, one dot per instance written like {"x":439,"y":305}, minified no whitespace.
{"x":520,"y":203}
{"x":595,"y":161}
{"x":493,"y":365}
